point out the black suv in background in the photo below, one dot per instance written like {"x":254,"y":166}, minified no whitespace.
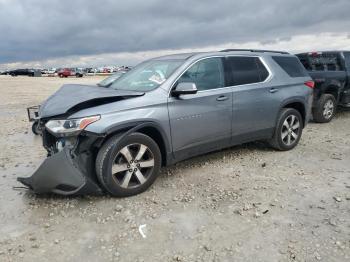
{"x":20,"y":72}
{"x":331,"y":72}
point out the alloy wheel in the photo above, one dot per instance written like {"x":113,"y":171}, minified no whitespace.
{"x":132,"y":166}
{"x":328,"y":109}
{"x":290,"y":130}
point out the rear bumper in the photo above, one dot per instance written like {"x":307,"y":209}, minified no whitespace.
{"x":61,"y":174}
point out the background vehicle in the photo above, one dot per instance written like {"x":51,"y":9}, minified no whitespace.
{"x":79,"y":72}
{"x":21,"y":72}
{"x":66,"y":72}
{"x":331,"y":72}
{"x":50,"y":71}
{"x":109,"y":80}
{"x":165,"y":110}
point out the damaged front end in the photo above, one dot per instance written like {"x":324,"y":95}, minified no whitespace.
{"x":69,"y":168}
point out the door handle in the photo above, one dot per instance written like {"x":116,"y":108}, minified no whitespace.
{"x":273,"y":90}
{"x":222,"y":98}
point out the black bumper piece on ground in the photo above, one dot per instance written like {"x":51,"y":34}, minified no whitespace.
{"x":61,"y":174}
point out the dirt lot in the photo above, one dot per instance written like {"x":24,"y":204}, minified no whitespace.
{"x":246,"y":203}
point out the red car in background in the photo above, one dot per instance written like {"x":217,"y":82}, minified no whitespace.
{"x":66,"y":72}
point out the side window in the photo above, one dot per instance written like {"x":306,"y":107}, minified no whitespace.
{"x":304,"y":60}
{"x":291,"y":65}
{"x":247,"y":70}
{"x":206,"y":74}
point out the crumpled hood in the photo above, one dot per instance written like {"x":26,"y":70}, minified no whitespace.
{"x":71,"y":96}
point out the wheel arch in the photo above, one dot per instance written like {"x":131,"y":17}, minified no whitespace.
{"x":298,"y":105}
{"x":151,"y":129}
{"x":333,"y":89}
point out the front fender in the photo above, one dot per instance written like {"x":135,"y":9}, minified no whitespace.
{"x":135,"y":126}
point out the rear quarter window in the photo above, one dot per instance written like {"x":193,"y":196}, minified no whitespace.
{"x":291,"y":65}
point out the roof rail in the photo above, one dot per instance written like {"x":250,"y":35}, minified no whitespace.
{"x":255,"y":50}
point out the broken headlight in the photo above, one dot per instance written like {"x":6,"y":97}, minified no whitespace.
{"x":67,"y":127}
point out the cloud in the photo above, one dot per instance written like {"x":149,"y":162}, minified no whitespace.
{"x":35,"y":30}
{"x":295,"y":44}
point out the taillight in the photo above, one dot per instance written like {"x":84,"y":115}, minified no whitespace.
{"x":310,"y":84}
{"x":315,"y":54}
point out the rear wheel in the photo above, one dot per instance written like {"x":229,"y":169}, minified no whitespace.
{"x":128,"y":166}
{"x":288,"y":130}
{"x":325,"y":109}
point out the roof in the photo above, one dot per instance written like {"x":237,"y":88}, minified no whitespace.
{"x":183,"y":56}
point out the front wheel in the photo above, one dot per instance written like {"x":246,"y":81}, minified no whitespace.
{"x":128,"y":166}
{"x":36,"y":129}
{"x":288,"y":130}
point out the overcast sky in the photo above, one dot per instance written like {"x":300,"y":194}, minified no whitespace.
{"x":80,"y":32}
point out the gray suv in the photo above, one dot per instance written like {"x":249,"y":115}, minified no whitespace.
{"x":165,"y":110}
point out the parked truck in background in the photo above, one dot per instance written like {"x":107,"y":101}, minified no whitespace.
{"x":331,"y":72}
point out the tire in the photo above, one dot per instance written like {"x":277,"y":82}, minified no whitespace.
{"x":35,"y":129}
{"x":283,"y":138}
{"x":125,"y":181}
{"x":325,"y":109}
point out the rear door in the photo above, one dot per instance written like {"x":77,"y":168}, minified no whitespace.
{"x":255,"y":103}
{"x":201,"y":122}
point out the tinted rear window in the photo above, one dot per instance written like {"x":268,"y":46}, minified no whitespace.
{"x":245,"y":70}
{"x":291,"y":65}
{"x":318,"y":61}
{"x":347,"y":60}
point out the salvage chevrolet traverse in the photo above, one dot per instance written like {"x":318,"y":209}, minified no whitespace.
{"x":164,"y":110}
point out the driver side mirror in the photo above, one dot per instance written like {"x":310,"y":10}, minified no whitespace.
{"x":185,"y":88}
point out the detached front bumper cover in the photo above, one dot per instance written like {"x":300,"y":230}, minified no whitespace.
{"x":60,"y":174}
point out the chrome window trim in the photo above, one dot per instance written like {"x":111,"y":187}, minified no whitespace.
{"x":268,"y":78}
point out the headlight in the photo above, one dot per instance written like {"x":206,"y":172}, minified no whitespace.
{"x":70,"y":126}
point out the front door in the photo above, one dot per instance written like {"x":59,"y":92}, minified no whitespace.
{"x":201,"y":122}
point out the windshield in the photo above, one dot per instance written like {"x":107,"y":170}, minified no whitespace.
{"x":109,"y":80}
{"x":147,"y":76}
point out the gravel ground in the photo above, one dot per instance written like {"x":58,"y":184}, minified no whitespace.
{"x":245,"y":203}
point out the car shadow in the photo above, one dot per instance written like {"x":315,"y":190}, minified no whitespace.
{"x":217,"y":155}
{"x":188,"y":163}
